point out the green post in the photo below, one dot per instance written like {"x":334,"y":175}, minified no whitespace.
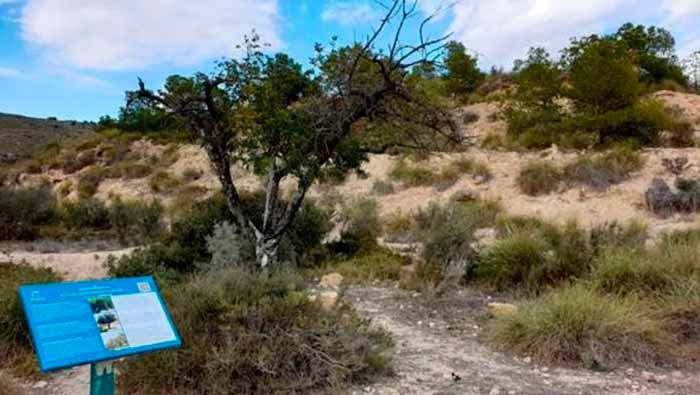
{"x":102,"y":378}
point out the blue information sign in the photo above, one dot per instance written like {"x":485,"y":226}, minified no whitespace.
{"x":78,"y":323}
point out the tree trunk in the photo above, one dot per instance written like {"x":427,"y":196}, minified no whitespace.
{"x":266,"y":250}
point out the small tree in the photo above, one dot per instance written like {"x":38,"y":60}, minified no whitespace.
{"x":538,"y":80}
{"x":603,"y":78}
{"x":462,"y":73}
{"x":283,"y":123}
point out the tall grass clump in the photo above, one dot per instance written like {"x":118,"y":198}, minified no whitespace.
{"x":15,"y":344}
{"x":601,"y":171}
{"x":253,"y":333}
{"x":411,"y":175}
{"x":534,"y":256}
{"x":578,"y":326}
{"x":538,"y":178}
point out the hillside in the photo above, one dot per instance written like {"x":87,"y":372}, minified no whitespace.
{"x":20,"y":136}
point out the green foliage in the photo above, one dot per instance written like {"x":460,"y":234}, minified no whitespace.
{"x":198,"y":235}
{"x":15,"y":343}
{"x":372,"y":263}
{"x":137,"y":221}
{"x":85,"y":213}
{"x":463,"y":75}
{"x":577,"y":325}
{"x":654,"y":50}
{"x":283,"y":342}
{"x":411,"y":175}
{"x":162,"y":182}
{"x":382,"y":188}
{"x":603,"y":78}
{"x":538,"y":178}
{"x":23,"y":210}
{"x":629,"y":272}
{"x":534,"y":256}
{"x":601,"y":171}
{"x":89,"y":181}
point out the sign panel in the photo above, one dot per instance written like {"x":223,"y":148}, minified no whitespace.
{"x":83,"y":322}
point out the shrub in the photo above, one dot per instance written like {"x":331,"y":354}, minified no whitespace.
{"x":382,"y":188}
{"x":22,"y":210}
{"x":162,"y":182}
{"x":534,"y":256}
{"x":663,"y":202}
{"x":538,"y":178}
{"x":472,"y":167}
{"x":362,"y":226}
{"x":369,"y":264}
{"x":252,"y":333}
{"x":600,"y":172}
{"x":576,"y":325}
{"x":616,"y":235}
{"x":89,"y":181}
{"x":412,"y":176}
{"x":136,"y":220}
{"x":399,"y":228}
{"x":448,"y":234}
{"x":228,"y":247}
{"x":603,"y":78}
{"x":15,"y":343}
{"x":85,"y":213}
{"x":628,"y":272}
{"x":132,"y":171}
{"x":470,"y":117}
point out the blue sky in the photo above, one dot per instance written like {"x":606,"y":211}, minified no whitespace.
{"x":75,"y":58}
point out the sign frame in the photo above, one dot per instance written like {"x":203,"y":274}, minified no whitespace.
{"x":92,"y":292}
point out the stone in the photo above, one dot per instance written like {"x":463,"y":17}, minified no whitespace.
{"x":652,"y":378}
{"x":331,"y":281}
{"x":40,"y":384}
{"x":496,"y":390}
{"x":328,"y":299}
{"x":502,"y":309}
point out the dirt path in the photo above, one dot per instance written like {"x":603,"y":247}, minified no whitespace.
{"x":438,"y":352}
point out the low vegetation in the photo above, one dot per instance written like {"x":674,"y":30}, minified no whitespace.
{"x":16,"y":353}
{"x":596,"y":171}
{"x":247,"y":332}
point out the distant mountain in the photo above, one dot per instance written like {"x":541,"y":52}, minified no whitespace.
{"x":20,"y":136}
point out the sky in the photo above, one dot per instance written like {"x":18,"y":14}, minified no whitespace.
{"x":74,"y":59}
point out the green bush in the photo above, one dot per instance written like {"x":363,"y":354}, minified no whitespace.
{"x":603,"y":78}
{"x":602,"y":171}
{"x":23,"y":210}
{"x":382,"y":188}
{"x":411,"y":176}
{"x":85,"y":213}
{"x":616,"y":235}
{"x":135,"y":220}
{"x":629,"y":272}
{"x":369,"y":264}
{"x":536,"y":256}
{"x":252,"y":333}
{"x":15,"y":343}
{"x":162,"y":182}
{"x":576,"y":325}
{"x":89,"y":181}
{"x":538,"y":178}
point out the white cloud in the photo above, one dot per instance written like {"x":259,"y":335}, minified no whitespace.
{"x":680,"y":9}
{"x":350,"y":13}
{"x":10,"y":73}
{"x":502,"y":30}
{"x":130,"y":34}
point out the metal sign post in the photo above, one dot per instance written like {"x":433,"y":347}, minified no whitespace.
{"x":102,"y":378}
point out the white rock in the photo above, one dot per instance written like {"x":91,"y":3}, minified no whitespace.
{"x":40,"y":384}
{"x":496,"y":390}
{"x":502,"y":309}
{"x":331,"y":281}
